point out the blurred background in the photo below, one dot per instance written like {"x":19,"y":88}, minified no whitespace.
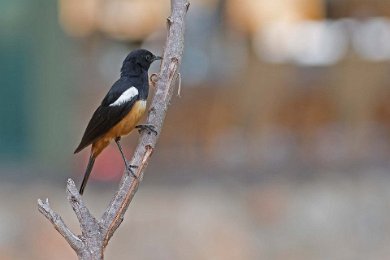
{"x":278,"y":147}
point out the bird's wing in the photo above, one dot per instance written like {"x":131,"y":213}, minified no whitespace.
{"x":115,"y":106}
{"x":119,"y":87}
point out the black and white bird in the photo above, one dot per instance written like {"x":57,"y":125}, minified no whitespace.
{"x":120,"y":110}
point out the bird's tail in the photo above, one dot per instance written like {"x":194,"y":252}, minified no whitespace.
{"x":87,"y":172}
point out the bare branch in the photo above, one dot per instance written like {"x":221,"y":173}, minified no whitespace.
{"x":173,"y":53}
{"x":73,"y":240}
{"x":82,"y":212}
{"x":90,"y":227}
{"x":111,"y":224}
{"x":96,"y":234}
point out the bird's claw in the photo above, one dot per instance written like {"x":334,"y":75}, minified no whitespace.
{"x":149,"y":128}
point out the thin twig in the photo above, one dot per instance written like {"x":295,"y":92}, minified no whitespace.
{"x":73,"y":240}
{"x":179,"y":85}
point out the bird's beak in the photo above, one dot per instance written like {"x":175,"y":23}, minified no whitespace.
{"x":157,"y":58}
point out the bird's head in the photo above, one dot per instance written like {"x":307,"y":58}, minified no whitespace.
{"x":137,"y":61}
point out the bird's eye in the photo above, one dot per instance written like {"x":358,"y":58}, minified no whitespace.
{"x":148,"y":57}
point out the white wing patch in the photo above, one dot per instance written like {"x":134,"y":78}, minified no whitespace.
{"x":125,"y":97}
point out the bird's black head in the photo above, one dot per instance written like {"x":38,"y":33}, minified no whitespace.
{"x":138,"y":61}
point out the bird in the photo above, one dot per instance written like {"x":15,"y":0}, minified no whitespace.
{"x":120,"y":110}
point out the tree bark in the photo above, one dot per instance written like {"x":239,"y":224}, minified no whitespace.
{"x":96,"y":233}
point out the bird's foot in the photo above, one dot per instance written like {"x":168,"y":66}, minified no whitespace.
{"x":130,"y":170}
{"x":147,"y":127}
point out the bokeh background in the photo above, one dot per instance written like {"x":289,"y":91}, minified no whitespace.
{"x":278,"y":147}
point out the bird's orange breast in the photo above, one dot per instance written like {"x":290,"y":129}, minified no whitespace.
{"x":124,"y":127}
{"x":127,"y":124}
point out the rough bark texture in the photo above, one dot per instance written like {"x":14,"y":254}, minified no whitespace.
{"x":96,"y":233}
